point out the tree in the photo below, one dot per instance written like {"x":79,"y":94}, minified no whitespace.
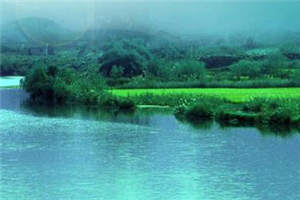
{"x":274,"y":64}
{"x":189,"y":69}
{"x":131,"y":56}
{"x":252,"y":69}
{"x":160,"y":68}
{"x":116,"y":72}
{"x":61,"y":85}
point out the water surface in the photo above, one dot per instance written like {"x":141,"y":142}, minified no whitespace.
{"x":85,"y":154}
{"x":10,"y":81}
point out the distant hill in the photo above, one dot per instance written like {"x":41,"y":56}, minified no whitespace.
{"x":100,"y":35}
{"x":35,"y":31}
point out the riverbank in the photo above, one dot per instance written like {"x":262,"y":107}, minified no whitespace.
{"x":262,"y":113}
{"x":254,"y":107}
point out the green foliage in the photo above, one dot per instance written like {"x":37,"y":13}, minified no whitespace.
{"x":189,"y":69}
{"x":172,"y":100}
{"x":160,"y":68}
{"x":251,"y":69}
{"x":176,"y":51}
{"x":112,"y":102}
{"x":202,"y":110}
{"x":257,"y":111}
{"x":280,"y":111}
{"x":296,"y":77}
{"x":255,"y":105}
{"x":131,"y":56}
{"x":54,"y":85}
{"x":116,"y":72}
{"x":274,"y":63}
{"x":15,"y":64}
{"x":291,"y":51}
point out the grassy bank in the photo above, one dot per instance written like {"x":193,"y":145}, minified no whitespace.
{"x":230,"y":94}
{"x":254,"y":107}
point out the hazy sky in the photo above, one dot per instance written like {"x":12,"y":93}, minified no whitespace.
{"x":178,"y":16}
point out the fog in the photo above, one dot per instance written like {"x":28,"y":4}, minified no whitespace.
{"x":182,"y":18}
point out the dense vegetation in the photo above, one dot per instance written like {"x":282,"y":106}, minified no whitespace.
{"x":85,"y":71}
{"x":136,"y":63}
{"x":56,"y":85}
{"x":52,"y":85}
{"x":258,"y":111}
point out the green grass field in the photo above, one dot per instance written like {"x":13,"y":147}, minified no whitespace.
{"x":231,"y":94}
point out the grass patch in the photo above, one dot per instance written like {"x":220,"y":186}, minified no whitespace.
{"x":11,"y":87}
{"x":230,"y":94}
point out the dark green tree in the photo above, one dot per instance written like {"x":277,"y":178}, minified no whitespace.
{"x":131,"y":56}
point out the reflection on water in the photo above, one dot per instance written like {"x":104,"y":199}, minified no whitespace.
{"x":75,"y":153}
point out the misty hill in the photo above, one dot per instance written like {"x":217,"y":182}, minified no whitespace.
{"x":35,"y":31}
{"x":109,"y":33}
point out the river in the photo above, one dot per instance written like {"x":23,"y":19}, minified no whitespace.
{"x":85,"y":154}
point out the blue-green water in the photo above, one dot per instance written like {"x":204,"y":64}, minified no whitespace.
{"x":69,"y":154}
{"x":9,"y":81}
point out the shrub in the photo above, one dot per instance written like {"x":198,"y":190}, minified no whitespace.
{"x":160,"y":68}
{"x":189,"y":69}
{"x":248,"y":68}
{"x":132,"y":57}
{"x":180,"y":110}
{"x":296,"y":77}
{"x":116,"y":71}
{"x":113,"y":102}
{"x":281,"y":112}
{"x":54,"y":85}
{"x":274,"y":63}
{"x":16,"y":64}
{"x":254,"y":105}
{"x":126,"y":104}
{"x":200,"y":111}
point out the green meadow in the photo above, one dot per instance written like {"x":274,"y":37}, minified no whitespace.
{"x":230,"y":94}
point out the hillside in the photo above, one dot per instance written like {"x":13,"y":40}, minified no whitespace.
{"x":35,"y":31}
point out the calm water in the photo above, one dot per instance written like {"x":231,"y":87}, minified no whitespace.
{"x":9,"y":81}
{"x":81,"y":154}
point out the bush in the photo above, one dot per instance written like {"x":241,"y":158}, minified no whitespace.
{"x":251,"y":69}
{"x":15,"y":64}
{"x":274,"y":63}
{"x":189,"y":69}
{"x":296,"y":77}
{"x":254,"y":105}
{"x":126,"y":104}
{"x":281,"y":112}
{"x":258,"y":111}
{"x":200,"y":111}
{"x":54,"y":85}
{"x":132,"y":57}
{"x":113,"y":102}
{"x":160,"y":68}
